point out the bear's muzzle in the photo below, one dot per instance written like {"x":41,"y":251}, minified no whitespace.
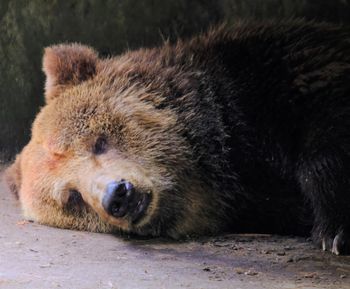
{"x":121,"y":199}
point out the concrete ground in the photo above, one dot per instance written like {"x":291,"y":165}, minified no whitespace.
{"x":35,"y":256}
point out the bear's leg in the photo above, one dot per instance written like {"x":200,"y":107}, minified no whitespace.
{"x":325,"y":179}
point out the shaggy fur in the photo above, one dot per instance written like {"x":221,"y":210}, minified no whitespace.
{"x":242,"y":129}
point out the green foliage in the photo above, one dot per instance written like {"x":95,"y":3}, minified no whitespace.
{"x":110,"y":26}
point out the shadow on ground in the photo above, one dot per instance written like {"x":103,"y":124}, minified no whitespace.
{"x":35,"y":256}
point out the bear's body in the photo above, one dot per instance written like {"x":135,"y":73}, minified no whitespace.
{"x":243,"y":129}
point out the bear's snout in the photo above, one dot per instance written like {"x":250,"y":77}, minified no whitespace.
{"x":122,"y":199}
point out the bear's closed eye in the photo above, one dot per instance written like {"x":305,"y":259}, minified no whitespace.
{"x":100,"y":146}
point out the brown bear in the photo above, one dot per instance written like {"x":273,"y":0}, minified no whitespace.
{"x":241,"y":129}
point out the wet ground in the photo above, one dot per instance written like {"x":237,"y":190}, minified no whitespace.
{"x":35,"y":256}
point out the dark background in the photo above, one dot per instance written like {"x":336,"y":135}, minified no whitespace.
{"x":111,"y":27}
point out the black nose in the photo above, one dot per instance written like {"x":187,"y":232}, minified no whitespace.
{"x":121,"y":199}
{"x":116,"y":198}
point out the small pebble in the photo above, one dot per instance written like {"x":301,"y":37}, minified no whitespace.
{"x":239,"y":270}
{"x":22,"y":223}
{"x":251,"y":273}
{"x":310,"y":275}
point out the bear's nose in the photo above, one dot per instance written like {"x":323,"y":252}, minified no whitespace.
{"x":121,"y":198}
{"x":117,"y":197}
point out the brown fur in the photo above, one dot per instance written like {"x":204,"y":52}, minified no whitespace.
{"x":51,"y":164}
{"x":67,"y":65}
{"x":231,"y":130}
{"x":12,"y":176}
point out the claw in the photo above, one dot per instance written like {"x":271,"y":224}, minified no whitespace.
{"x":324,"y":244}
{"x":341,"y":244}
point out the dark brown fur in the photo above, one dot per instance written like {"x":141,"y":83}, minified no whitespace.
{"x":231,"y":130}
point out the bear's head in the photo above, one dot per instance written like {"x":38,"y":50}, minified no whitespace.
{"x":103,"y":156}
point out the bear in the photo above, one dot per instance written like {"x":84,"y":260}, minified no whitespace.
{"x":242,"y":128}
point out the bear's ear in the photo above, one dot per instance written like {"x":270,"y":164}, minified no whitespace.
{"x":12,"y":176}
{"x":67,"y":65}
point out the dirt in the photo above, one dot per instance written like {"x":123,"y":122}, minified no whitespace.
{"x":36,"y":256}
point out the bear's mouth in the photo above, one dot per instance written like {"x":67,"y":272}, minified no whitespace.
{"x":123,"y":200}
{"x":75,"y":202}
